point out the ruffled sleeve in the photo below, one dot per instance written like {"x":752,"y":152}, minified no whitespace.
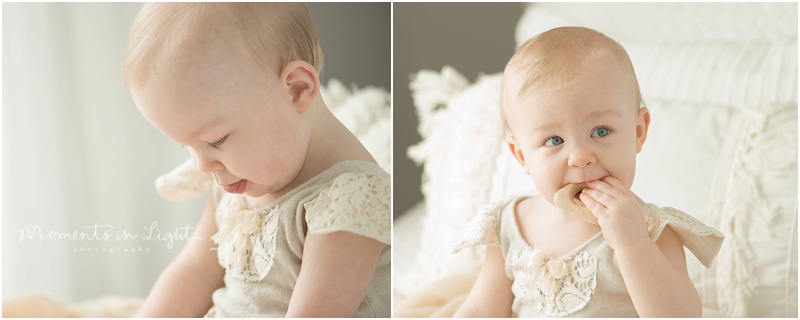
{"x":355,"y":202}
{"x":702,"y":240}
{"x":483,"y":229}
{"x":183,"y":182}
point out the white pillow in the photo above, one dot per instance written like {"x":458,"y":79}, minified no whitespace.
{"x":754,"y":202}
{"x":461,"y":134}
{"x":466,"y":165}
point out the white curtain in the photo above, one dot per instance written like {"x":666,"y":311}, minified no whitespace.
{"x":77,"y":153}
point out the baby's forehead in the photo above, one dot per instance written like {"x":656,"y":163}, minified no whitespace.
{"x":531,"y":117}
{"x":567,"y":77}
{"x":587,"y":94}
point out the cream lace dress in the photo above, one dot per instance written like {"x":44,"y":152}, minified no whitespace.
{"x":585,"y":282}
{"x":262,"y":249}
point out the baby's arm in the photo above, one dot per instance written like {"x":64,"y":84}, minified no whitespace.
{"x":654,"y":272}
{"x":336,"y":271}
{"x":656,"y":277}
{"x":184,"y":288}
{"x":491,"y":296}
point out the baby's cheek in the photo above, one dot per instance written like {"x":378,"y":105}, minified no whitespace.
{"x":625,"y":173}
{"x":628,"y":182}
{"x":545,"y":188}
{"x":272,"y":164}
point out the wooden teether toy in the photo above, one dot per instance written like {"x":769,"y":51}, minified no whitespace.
{"x":564,"y":200}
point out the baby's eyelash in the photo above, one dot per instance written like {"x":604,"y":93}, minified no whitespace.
{"x":216,"y":144}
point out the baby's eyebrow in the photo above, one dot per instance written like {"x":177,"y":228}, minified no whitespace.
{"x":606,"y":112}
{"x":593,"y":115}
{"x":207,"y":126}
{"x":545,"y":127}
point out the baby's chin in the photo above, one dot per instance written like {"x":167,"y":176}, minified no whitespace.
{"x":253,"y":194}
{"x":257,"y":190}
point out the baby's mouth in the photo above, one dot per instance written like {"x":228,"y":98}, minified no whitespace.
{"x":577,"y":199}
{"x":236,"y":187}
{"x":574,"y":189}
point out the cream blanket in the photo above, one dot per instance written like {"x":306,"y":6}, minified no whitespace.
{"x":42,"y":306}
{"x":438,"y":299}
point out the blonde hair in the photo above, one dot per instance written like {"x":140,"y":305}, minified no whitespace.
{"x":274,"y":33}
{"x":554,"y":57}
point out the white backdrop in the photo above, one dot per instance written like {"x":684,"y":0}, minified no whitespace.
{"x":76,"y":152}
{"x":77,"y":157}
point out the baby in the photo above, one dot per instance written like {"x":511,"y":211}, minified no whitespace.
{"x":571,"y":106}
{"x":299,"y":211}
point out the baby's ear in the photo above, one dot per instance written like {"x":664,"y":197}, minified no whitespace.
{"x":642,"y":123}
{"x":515,"y":150}
{"x":300,"y":81}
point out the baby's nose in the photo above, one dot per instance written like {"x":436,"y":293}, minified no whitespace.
{"x":580,"y":157}
{"x":206,"y":164}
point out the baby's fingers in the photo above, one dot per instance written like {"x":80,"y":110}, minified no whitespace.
{"x":607,"y":189}
{"x":591,"y":203}
{"x":614,"y":182}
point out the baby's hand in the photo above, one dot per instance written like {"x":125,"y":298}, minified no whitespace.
{"x":619,"y":214}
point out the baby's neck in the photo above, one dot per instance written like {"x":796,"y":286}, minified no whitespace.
{"x":330,"y":143}
{"x":549,"y":229}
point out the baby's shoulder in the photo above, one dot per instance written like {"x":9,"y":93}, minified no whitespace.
{"x":356,"y":202}
{"x":487,"y":224}
{"x":504,"y":212}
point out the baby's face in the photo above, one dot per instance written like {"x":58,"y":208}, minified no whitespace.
{"x":237,"y":123}
{"x":588,"y":129}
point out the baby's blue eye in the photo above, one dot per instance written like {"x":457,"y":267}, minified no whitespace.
{"x":600,"y":132}
{"x":553,"y":141}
